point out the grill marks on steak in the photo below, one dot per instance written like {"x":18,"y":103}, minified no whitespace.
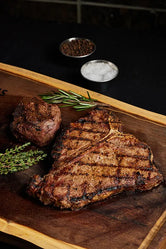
{"x":108,"y":166}
{"x":36,"y":121}
{"x":84,"y":132}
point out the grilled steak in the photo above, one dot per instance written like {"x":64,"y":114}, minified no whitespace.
{"x":84,"y":132}
{"x":104,"y":167}
{"x":36,"y":121}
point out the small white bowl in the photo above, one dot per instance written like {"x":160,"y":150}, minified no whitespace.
{"x":99,"y":70}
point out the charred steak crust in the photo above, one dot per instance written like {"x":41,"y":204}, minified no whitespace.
{"x":36,"y":121}
{"x":105,"y":167}
{"x":84,"y":132}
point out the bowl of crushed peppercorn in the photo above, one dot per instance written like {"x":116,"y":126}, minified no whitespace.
{"x":77,"y":47}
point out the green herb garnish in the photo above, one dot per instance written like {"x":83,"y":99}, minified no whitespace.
{"x":15,"y":159}
{"x":77,"y":101}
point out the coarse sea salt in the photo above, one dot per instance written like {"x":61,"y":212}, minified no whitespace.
{"x":99,"y":70}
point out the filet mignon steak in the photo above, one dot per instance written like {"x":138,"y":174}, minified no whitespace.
{"x":36,"y":121}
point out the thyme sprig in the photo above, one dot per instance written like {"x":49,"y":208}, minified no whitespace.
{"x":71,"y":99}
{"x":16,"y":159}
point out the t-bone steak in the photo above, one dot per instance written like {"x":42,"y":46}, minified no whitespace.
{"x":94,"y":161}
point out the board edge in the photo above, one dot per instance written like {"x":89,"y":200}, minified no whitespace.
{"x":124,"y":107}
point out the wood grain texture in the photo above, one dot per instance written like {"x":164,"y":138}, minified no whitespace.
{"x":154,"y":230}
{"x":119,"y":222}
{"x":162,"y":244}
{"x":33,"y":236}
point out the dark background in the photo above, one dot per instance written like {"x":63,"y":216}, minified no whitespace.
{"x":133,"y":36}
{"x":128,"y":14}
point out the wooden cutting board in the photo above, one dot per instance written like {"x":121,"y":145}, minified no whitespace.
{"x":118,"y":222}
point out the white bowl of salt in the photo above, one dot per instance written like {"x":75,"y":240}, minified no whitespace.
{"x":99,"y":70}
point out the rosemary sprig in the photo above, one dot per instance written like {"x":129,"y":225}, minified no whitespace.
{"x":15,"y":159}
{"x":70,"y":98}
